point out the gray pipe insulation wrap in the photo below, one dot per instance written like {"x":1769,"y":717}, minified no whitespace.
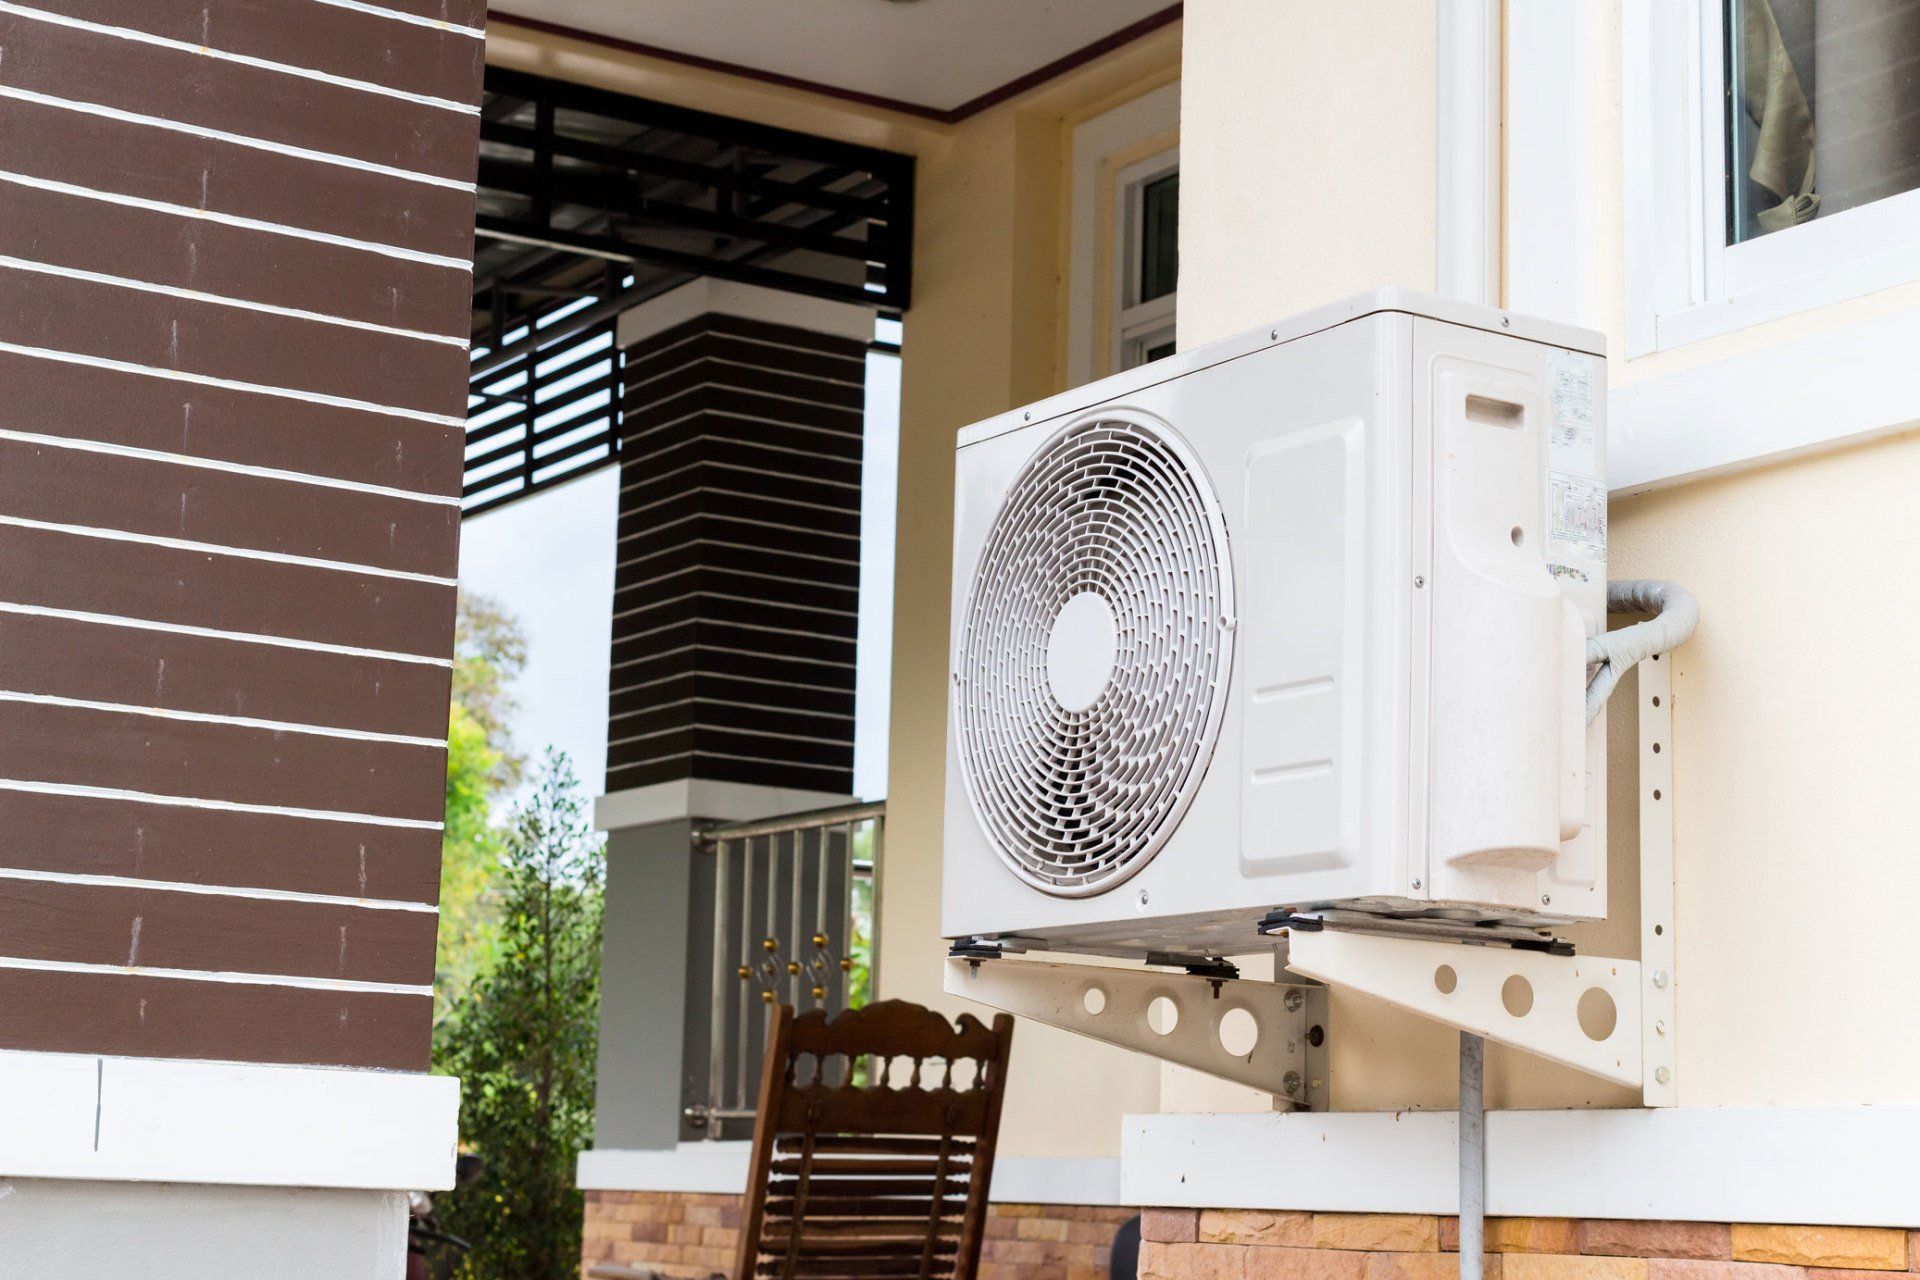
{"x":1613,"y":653}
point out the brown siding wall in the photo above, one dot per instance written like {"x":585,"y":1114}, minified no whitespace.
{"x":233,"y":304}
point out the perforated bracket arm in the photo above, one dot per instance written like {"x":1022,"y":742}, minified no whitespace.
{"x":1531,"y":1000}
{"x":1268,"y":1035}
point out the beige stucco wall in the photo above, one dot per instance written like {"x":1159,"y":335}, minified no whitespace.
{"x":1798,"y":703}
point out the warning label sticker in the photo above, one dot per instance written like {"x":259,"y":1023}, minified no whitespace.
{"x":1576,"y":515}
{"x":1570,"y":385}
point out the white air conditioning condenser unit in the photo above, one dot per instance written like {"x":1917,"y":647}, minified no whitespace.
{"x":1294,"y":621}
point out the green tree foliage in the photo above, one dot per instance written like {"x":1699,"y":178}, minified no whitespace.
{"x":489,"y":653}
{"x":522,"y":1040}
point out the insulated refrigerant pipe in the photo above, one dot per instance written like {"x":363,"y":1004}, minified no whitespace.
{"x":1473,"y":1156}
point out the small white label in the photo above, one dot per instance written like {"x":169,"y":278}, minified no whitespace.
{"x":1570,"y":383}
{"x":1576,"y":515}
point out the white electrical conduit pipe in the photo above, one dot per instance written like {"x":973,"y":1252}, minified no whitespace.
{"x":1614,"y":653}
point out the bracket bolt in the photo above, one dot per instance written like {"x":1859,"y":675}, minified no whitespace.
{"x":1293,"y":1001}
{"x":1660,"y":979}
{"x":1291,"y":1082}
{"x":1661,"y":1075}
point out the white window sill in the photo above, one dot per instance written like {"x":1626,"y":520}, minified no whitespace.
{"x":164,"y":1120}
{"x":1840,"y":1166}
{"x":1834,"y":387}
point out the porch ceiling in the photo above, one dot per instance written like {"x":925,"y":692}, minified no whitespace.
{"x":933,"y":57}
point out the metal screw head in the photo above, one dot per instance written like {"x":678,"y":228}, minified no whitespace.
{"x":1661,"y":1075}
{"x":1143,"y":897}
{"x":1660,"y":979}
{"x":1416,"y":885}
{"x":1505,"y":322}
{"x":1291,"y":1082}
{"x":1419,"y":581}
{"x":1660,"y":1028}
{"x":1273,"y":334}
{"x":1027,"y":416}
{"x":1546,"y":900}
{"x":1293,"y":1001}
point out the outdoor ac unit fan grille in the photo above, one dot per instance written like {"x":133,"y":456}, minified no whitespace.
{"x":1077,"y":800}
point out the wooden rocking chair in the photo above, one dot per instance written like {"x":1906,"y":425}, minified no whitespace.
{"x":875,"y":1177}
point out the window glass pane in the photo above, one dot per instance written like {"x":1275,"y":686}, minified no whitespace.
{"x":1832,"y":81}
{"x":1159,"y":237}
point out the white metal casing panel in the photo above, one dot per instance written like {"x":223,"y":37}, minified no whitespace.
{"x":1316,"y":438}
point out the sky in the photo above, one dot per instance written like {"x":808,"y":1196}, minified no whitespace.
{"x":548,"y":560}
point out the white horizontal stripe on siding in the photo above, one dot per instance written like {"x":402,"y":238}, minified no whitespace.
{"x":215,"y":891}
{"x":214,"y":633}
{"x":219,"y":975}
{"x":725,"y":623}
{"x":736,"y":546}
{"x":717,"y":571}
{"x":216,"y":549}
{"x":706,"y":701}
{"x":716,"y":648}
{"x":215,"y":464}
{"x":729,"y":414}
{"x":638,"y":351}
{"x":687,"y":442}
{"x":733,"y":732}
{"x":208,"y":717}
{"x":854,"y":367}
{"x":360,"y":6}
{"x":721,"y":595}
{"x":235,"y":220}
{"x":222,"y":300}
{"x":231,"y":384}
{"x":851,"y":508}
{"x":745,"y":391}
{"x":658,"y":476}
{"x":237,"y":139}
{"x":724,"y":755}
{"x":241,"y":59}
{"x":720,"y":676}
{"x":757,"y":524}
{"x":196,"y":802}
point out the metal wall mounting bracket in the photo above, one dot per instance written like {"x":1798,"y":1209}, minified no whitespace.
{"x":1287,"y":1022}
{"x":1528,"y":999}
{"x":1611,"y":1018}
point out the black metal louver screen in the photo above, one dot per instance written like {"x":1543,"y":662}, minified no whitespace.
{"x":591,"y":202}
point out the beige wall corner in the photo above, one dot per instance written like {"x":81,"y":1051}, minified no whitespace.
{"x":1307,"y":157}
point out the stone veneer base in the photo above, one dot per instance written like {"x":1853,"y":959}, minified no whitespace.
{"x":685,"y":1234}
{"x":1246,"y":1244}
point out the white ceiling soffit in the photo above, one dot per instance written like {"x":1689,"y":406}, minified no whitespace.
{"x":936,"y":57}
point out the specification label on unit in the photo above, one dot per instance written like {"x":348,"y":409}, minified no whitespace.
{"x":1570,"y":384}
{"x":1576,"y":515}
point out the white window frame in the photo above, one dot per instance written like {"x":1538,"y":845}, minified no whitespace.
{"x":1137,"y":327}
{"x":1096,"y":217}
{"x":1684,"y":282}
{"x":1719,"y":402}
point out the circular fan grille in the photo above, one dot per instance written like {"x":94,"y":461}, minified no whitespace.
{"x":1108,"y":556}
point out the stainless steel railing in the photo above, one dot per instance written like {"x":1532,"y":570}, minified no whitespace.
{"x":792,"y":921}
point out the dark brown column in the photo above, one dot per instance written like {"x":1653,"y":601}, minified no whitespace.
{"x":736,"y":597}
{"x":234,"y":298}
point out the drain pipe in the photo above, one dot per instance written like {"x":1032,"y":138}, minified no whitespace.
{"x":1473,"y":1156}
